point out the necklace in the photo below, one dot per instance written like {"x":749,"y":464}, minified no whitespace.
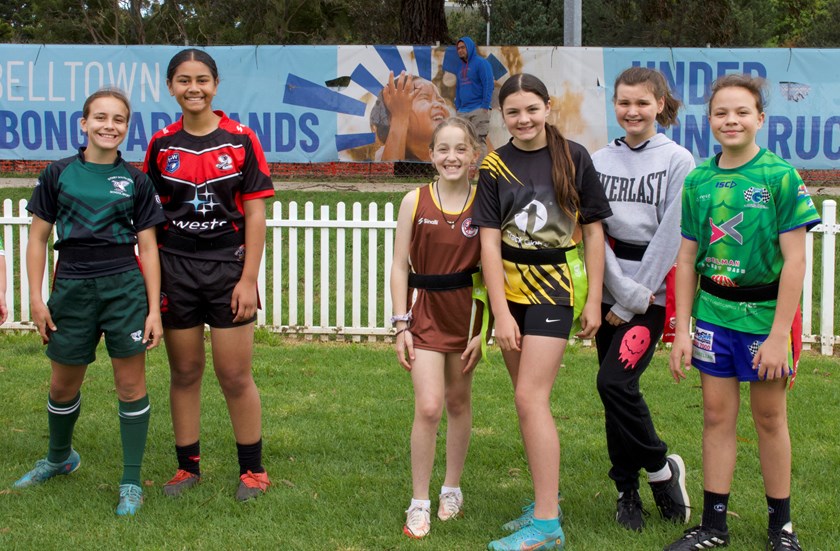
{"x":440,"y":203}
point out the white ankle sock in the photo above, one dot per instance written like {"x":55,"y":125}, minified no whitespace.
{"x":447,"y":490}
{"x":421,"y":503}
{"x":661,"y":475}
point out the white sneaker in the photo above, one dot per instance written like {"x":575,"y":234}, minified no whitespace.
{"x":417,"y":522}
{"x":450,"y":506}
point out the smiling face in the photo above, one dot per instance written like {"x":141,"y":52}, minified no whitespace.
{"x":735,"y":119}
{"x":452,"y":154}
{"x":635,"y":110}
{"x":525,"y":114}
{"x":105,"y":125}
{"x":428,"y":110}
{"x":193,"y":87}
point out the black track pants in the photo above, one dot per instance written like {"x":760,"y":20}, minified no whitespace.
{"x":624,"y":353}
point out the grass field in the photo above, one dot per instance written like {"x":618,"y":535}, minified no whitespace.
{"x":336,"y":432}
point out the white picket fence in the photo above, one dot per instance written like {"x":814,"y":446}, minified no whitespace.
{"x":326,"y":274}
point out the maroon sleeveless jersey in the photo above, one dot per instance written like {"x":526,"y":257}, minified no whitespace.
{"x":441,"y":319}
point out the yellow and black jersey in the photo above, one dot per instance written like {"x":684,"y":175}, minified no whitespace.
{"x":516,"y":195}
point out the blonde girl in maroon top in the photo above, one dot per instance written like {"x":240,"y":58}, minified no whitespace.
{"x":436,"y":251}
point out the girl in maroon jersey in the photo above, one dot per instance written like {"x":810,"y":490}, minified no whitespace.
{"x":436,"y":251}
{"x":212,"y":177}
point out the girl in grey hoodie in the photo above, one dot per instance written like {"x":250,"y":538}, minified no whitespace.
{"x":642,"y":174}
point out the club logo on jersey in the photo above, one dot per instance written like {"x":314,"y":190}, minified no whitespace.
{"x":468,"y":229}
{"x":240,"y":253}
{"x":756,"y":197}
{"x":137,"y":336}
{"x":224,"y":162}
{"x":121,"y":185}
{"x":531,"y":218}
{"x":703,"y":339}
{"x":173,"y":163}
{"x":727,"y":228}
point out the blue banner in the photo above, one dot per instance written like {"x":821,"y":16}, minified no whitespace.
{"x":324,"y":103}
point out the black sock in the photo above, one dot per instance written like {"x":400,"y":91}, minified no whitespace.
{"x":188,"y":458}
{"x":250,"y":457}
{"x":779,"y":511}
{"x":714,"y":510}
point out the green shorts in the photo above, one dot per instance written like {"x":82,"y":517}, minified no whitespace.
{"x":84,"y":309}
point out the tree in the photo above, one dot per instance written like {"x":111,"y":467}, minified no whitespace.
{"x":423,"y":22}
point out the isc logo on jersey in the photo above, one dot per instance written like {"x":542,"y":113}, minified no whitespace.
{"x":173,"y":163}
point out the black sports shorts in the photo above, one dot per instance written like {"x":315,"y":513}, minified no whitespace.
{"x":545,"y":320}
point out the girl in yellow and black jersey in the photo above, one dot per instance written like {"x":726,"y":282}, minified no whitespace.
{"x":536,"y":196}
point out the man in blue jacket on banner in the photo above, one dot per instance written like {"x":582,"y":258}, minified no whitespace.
{"x":474,"y":90}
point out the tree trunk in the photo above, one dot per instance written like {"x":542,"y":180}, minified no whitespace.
{"x":423,"y":22}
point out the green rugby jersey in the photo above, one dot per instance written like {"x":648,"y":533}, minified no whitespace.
{"x":736,"y":216}
{"x":95,"y":205}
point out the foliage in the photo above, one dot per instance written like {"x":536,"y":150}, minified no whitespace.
{"x":663,"y":23}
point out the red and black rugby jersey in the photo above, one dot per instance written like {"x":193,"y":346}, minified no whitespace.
{"x":204,"y":180}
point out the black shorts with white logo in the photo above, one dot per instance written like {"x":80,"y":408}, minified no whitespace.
{"x":544,"y":320}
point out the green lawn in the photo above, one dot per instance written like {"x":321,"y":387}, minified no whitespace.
{"x":336,"y":432}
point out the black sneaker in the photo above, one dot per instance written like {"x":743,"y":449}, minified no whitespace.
{"x":670,"y":496}
{"x":629,"y":511}
{"x":783,"y":540}
{"x":700,"y":537}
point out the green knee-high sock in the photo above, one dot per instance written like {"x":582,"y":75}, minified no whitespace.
{"x":62,"y":418}
{"x":134,"y":426}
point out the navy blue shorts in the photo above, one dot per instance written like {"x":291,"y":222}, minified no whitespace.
{"x":544,"y":320}
{"x":726,"y":353}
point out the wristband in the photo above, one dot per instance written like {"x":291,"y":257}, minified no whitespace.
{"x":403,"y":317}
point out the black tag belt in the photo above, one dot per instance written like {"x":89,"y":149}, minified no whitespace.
{"x":757,"y":293}
{"x":534,"y":257}
{"x":441,"y":282}
{"x":95,"y":253}
{"x":627,"y":251}
{"x":190,"y":244}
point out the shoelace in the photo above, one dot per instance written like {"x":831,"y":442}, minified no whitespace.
{"x":788,"y":541}
{"x":180,"y":476}
{"x":416,"y":515}
{"x":252,"y":480}
{"x":629,"y":504}
{"x":449,"y":501}
{"x":131,"y":492}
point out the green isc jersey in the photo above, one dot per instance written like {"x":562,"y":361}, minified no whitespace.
{"x":736,"y":216}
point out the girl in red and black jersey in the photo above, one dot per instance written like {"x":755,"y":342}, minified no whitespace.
{"x":212,"y":177}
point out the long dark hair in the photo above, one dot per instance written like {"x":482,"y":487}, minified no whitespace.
{"x":562,"y":166}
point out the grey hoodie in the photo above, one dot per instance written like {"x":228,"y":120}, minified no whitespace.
{"x":643,"y":186}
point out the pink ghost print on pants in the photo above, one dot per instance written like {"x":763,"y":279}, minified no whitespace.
{"x":634,"y":344}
